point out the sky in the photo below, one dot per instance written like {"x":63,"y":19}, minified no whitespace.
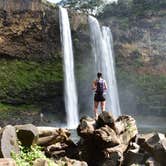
{"x":55,"y":1}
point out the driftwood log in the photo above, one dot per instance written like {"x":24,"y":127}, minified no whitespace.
{"x":48,"y":131}
{"x":58,"y":135}
{"x":126,"y":128}
{"x":106,"y":118}
{"x":7,"y":162}
{"x":86,"y":127}
{"x":27,"y":134}
{"x":106,"y":137}
{"x":113,"y":156}
{"x":8,"y":142}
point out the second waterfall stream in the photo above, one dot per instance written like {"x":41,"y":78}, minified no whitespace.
{"x":101,"y":39}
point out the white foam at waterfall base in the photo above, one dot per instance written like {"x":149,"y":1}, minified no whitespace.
{"x":101,"y":40}
{"x":71,"y":101}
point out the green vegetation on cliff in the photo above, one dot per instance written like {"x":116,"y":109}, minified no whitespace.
{"x":19,"y":76}
{"x":25,"y":85}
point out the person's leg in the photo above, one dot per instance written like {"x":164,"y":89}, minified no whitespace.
{"x":103,"y":103}
{"x":96,"y":108}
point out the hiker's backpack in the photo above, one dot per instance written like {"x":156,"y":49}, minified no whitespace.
{"x":100,"y":86}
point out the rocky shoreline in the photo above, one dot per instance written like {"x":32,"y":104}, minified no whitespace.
{"x":103,"y":142}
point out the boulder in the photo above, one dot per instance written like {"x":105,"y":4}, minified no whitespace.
{"x":7,"y":162}
{"x":151,"y":162}
{"x":43,"y":162}
{"x":61,"y":149}
{"x":113,"y":156}
{"x":27,"y":131}
{"x":126,"y":128}
{"x":134,"y":156}
{"x":87,"y":149}
{"x":142,"y":140}
{"x":86,"y":127}
{"x":155,"y":144}
{"x":106,"y":118}
{"x":70,"y":162}
{"x":8,"y":142}
{"x":106,"y":137}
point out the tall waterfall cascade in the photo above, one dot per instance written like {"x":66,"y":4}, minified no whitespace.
{"x":71,"y":101}
{"x":102,"y":42}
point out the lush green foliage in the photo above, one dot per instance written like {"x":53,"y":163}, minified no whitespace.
{"x":49,"y":3}
{"x":17,"y":77}
{"x":126,"y":8}
{"x":28,"y":155}
{"x":88,"y":6}
{"x":119,"y":8}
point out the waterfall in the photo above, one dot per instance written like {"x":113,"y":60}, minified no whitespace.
{"x":71,"y":103}
{"x":101,"y":39}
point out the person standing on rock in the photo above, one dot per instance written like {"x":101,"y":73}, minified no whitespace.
{"x":99,"y":86}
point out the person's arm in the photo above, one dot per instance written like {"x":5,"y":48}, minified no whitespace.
{"x":105,"y":85}
{"x":94,"y":85}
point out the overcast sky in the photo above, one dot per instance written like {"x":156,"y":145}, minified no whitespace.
{"x":55,"y":1}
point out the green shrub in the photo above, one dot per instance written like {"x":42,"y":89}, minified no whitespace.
{"x":28,"y":155}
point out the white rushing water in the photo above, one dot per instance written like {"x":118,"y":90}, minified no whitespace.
{"x":101,"y":39}
{"x":71,"y":103}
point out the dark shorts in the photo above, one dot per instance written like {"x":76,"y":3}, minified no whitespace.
{"x":99,"y":97}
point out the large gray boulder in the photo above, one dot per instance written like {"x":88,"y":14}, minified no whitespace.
{"x":155,"y":144}
{"x":133,"y":155}
{"x":151,"y":162}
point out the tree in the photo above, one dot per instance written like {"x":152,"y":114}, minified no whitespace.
{"x":88,"y":6}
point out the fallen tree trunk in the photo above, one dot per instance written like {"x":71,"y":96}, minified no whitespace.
{"x":59,"y":135}
{"x":27,"y":134}
{"x":8,"y":142}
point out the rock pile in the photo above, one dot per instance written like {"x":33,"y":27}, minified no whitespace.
{"x":109,"y":142}
{"x":103,"y":142}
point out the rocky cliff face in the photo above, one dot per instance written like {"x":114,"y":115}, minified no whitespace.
{"x":20,"y":5}
{"x":30,"y":60}
{"x":28,"y":30}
